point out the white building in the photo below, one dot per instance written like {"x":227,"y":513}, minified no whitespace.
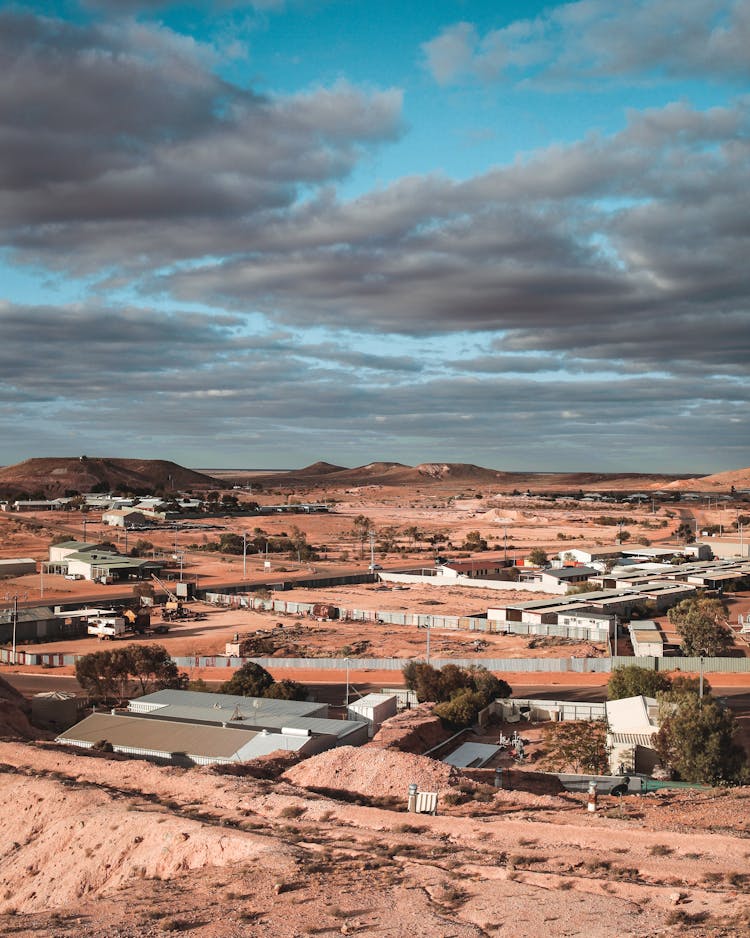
{"x":633,"y":726}
{"x":374,"y":709}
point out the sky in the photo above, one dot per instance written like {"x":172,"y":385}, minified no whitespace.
{"x":259,"y":235}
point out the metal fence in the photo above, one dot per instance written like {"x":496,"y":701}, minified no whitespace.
{"x":530,"y":665}
{"x":420,"y":620}
{"x":514,"y":665}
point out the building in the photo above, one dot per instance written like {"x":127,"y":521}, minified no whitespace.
{"x":126,"y":518}
{"x":17,"y":566}
{"x":32,"y":623}
{"x":178,"y":743}
{"x":56,"y":709}
{"x":192,"y":728}
{"x":373,"y":709}
{"x":646,"y":639}
{"x":47,"y":504}
{"x":95,"y":562}
{"x":597,"y":557}
{"x":481,"y":568}
{"x":633,"y":726}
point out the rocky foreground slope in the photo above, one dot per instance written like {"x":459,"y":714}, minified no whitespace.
{"x":96,"y":846}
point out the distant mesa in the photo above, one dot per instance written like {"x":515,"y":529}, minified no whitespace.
{"x":54,"y":476}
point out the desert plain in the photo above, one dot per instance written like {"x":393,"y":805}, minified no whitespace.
{"x":104,"y":846}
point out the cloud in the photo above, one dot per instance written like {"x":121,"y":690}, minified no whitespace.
{"x":585,"y":247}
{"x":596,"y":39}
{"x":122,"y":142}
{"x":138,"y":379}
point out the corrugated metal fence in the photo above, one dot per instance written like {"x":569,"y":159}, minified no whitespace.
{"x":518,"y":665}
{"x":459,"y":623}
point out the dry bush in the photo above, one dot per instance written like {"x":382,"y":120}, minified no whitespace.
{"x":681,"y":917}
{"x":660,"y":850}
{"x":292,"y":810}
{"x":409,"y":829}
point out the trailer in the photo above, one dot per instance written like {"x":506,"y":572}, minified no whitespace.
{"x":107,"y":627}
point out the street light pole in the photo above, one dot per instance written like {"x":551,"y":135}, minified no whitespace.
{"x":244,"y":555}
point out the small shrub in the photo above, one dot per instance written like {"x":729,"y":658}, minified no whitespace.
{"x":176,"y":924}
{"x":660,"y":850}
{"x":681,"y":917}
{"x":292,"y":810}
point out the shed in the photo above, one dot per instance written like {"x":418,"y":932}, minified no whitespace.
{"x":56,"y":709}
{"x":17,"y":566}
{"x":374,"y":709}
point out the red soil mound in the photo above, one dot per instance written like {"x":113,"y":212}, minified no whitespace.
{"x":375,"y":773}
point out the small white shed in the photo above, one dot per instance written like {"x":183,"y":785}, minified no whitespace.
{"x":373,"y":708}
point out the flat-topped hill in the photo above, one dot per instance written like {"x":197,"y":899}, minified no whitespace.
{"x":54,"y":476}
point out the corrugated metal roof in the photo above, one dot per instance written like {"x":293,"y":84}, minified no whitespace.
{"x":471,"y":754}
{"x":228,"y":702}
{"x":159,"y":735}
{"x":634,"y":739}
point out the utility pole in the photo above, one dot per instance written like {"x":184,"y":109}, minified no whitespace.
{"x":700,"y":682}
{"x":15,"y":625}
{"x":617,"y":626}
{"x":347,"y":682}
{"x":428,"y":641}
{"x":244,"y":555}
{"x":372,"y":550}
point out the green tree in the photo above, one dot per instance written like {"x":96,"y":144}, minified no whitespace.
{"x":152,"y":668}
{"x":424,"y":680}
{"x":702,"y":625}
{"x":623,"y":535}
{"x":686,"y":532}
{"x":630,"y":681}
{"x":361,"y":527}
{"x":231,"y":544}
{"x":474,"y":541}
{"x":537,"y":557}
{"x":251,"y":680}
{"x":488,"y":685}
{"x":141,"y":548}
{"x":444,"y":684}
{"x":684,"y":684}
{"x":286,"y":690}
{"x":577,"y":746}
{"x":119,"y":672}
{"x":461,"y":710}
{"x":414,"y":534}
{"x":103,"y":674}
{"x":696,"y":738}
